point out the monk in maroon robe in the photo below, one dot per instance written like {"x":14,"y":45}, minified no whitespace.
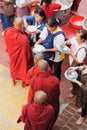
{"x":38,"y":115}
{"x":34,"y":69}
{"x":48,"y":83}
{"x":18,"y":50}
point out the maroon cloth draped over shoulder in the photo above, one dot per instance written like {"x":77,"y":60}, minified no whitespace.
{"x":19,"y":52}
{"x":48,"y":83}
{"x":37,"y":116}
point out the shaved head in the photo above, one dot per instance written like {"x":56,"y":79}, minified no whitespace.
{"x":18,"y":22}
{"x":38,"y":57}
{"x":40,"y":97}
{"x":43,"y":65}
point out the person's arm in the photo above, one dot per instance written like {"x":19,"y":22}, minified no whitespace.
{"x":74,"y":57}
{"x":70,"y":0}
{"x":23,"y":116}
{"x":51,"y":50}
{"x":27,"y":19}
{"x":39,"y":42}
{"x":77,"y":68}
{"x":42,"y":36}
{"x":66,"y":43}
{"x":79,"y":57}
{"x":77,"y":82}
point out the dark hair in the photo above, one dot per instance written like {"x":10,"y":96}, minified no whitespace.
{"x":52,"y":22}
{"x":47,"y":2}
{"x":40,"y":12}
{"x":83,"y":34}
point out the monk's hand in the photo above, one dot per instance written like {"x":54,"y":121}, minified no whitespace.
{"x":19,"y":120}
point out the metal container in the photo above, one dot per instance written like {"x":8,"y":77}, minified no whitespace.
{"x":64,"y":13}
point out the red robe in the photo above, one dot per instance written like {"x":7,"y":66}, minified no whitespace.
{"x":48,"y":83}
{"x":49,"y":10}
{"x":37,"y":116}
{"x":32,"y":72}
{"x":19,"y":52}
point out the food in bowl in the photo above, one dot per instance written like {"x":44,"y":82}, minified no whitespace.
{"x":71,"y":74}
{"x":31,"y":28}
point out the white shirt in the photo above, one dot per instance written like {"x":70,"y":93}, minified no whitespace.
{"x":20,"y":2}
{"x":75,"y":50}
{"x":58,"y":40}
{"x":44,"y":33}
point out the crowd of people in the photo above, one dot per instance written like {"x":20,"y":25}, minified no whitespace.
{"x":42,"y":71}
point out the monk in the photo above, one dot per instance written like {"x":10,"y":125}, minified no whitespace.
{"x":37,"y":115}
{"x":34,"y":69}
{"x":48,"y":83}
{"x":19,"y":50}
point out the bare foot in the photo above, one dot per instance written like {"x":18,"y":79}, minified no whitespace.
{"x":24,"y":85}
{"x":74,"y":12}
{"x":79,"y":110}
{"x":13,"y":83}
{"x":80,"y":120}
{"x":70,"y":95}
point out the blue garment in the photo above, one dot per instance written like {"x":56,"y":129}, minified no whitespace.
{"x":48,"y":43}
{"x":32,"y":20}
{"x":3,"y":21}
{"x":6,"y":22}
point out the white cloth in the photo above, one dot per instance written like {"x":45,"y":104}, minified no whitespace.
{"x":74,"y":49}
{"x":19,"y":2}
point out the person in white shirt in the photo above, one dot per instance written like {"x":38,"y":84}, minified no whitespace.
{"x":23,"y":7}
{"x":58,"y":38}
{"x":77,"y":53}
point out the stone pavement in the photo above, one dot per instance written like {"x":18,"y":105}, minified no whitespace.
{"x":13,"y":98}
{"x":11,"y":101}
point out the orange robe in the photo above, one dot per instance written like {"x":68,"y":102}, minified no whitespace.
{"x":19,"y":52}
{"x":32,"y":72}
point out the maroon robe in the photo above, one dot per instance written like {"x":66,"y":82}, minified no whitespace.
{"x":37,"y":116}
{"x":19,"y":52}
{"x":49,"y":84}
{"x":75,"y":4}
